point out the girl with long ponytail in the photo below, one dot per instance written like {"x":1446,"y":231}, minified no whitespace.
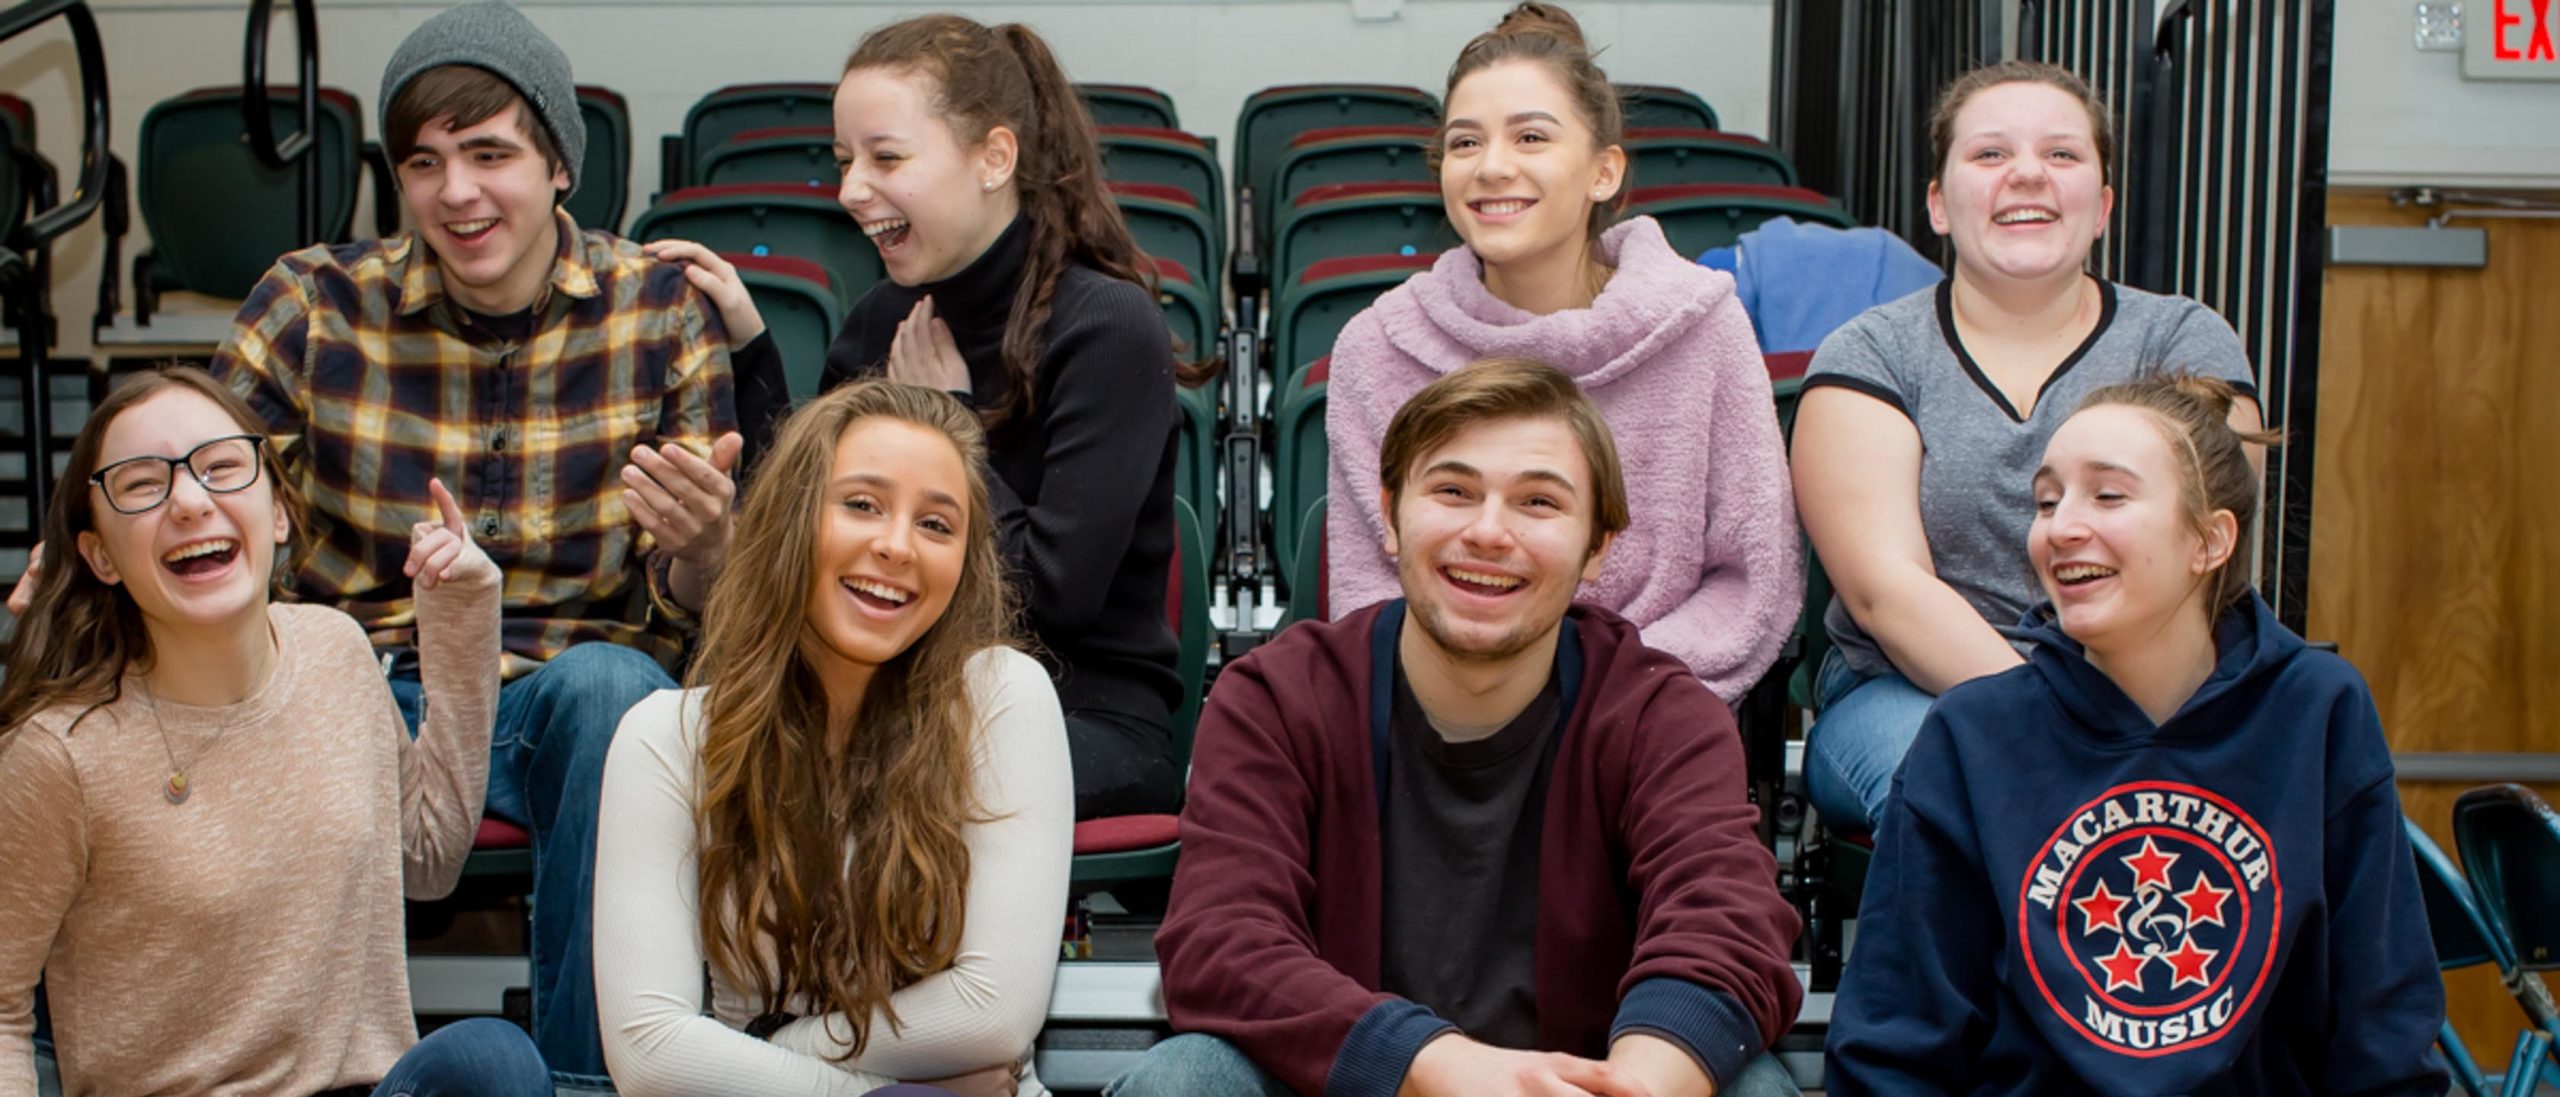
{"x":1014,"y":285}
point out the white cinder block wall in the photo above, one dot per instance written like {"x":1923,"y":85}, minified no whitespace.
{"x":662,"y":56}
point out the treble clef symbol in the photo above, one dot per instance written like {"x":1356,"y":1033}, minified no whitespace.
{"x":2140,"y":924}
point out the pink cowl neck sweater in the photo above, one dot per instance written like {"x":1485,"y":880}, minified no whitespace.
{"x":1710,"y":568}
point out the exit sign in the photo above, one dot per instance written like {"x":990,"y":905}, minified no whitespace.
{"x":2512,"y":40}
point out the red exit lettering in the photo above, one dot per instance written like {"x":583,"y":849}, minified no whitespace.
{"x":2537,"y":46}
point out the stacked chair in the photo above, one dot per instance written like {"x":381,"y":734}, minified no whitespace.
{"x":738,"y":109}
{"x":1129,"y":105}
{"x":2510,"y":843}
{"x":604,"y":176}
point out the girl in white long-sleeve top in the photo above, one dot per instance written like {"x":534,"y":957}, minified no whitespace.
{"x":861,"y":815}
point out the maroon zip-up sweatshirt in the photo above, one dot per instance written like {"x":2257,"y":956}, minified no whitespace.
{"x":1658,"y":908}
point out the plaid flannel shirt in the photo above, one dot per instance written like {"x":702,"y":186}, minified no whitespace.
{"x":371,"y":380}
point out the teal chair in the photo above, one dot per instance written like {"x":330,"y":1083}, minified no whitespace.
{"x":1171,"y":158}
{"x":1661,"y":106}
{"x":799,"y":155}
{"x":1700,"y":217}
{"x":2462,"y":939}
{"x":1141,"y":848}
{"x":1188,"y":309}
{"x":2510,"y":843}
{"x":735,"y":109}
{"x":1128,"y":105}
{"x":801,"y":309}
{"x":604,"y":175}
{"x":770,"y":219}
{"x":1195,"y":454}
{"x":1349,"y":219}
{"x":1272,"y":117}
{"x":1169,"y":224}
{"x":218,"y":216}
{"x":1347,"y":154}
{"x":1307,"y":580}
{"x":1669,"y":157}
{"x":1299,"y":456}
{"x":1312,"y":309}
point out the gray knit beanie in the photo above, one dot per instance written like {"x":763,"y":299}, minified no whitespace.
{"x":490,"y":35}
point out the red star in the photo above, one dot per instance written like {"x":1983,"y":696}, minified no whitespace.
{"x":2102,"y":910}
{"x":2150,"y":866}
{"x":2188,"y":963}
{"x":2124,"y":969}
{"x":2204,"y":902}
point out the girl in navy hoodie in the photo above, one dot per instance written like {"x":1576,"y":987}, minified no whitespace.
{"x":2164,"y":855}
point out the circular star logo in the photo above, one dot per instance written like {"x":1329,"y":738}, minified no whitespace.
{"x":2148,"y":920}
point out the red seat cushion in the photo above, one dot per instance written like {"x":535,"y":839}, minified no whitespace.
{"x":500,"y":834}
{"x":1363,"y":264}
{"x":1329,"y":192}
{"x":779,"y":264}
{"x":748,"y":190}
{"x":1122,"y":833}
{"x":1642,"y":195}
{"x":817,"y":134}
{"x":1787,"y":365}
{"x":1171,"y":270}
{"x":1162,"y":192}
{"x":1709,"y":137}
{"x":1331,"y":133}
{"x":1157,"y":133}
{"x":1318,"y":372}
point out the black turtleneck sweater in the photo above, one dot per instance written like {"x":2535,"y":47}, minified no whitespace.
{"x":1083,"y":485}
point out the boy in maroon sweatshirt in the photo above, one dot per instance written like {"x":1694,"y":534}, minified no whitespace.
{"x":1478,"y":840}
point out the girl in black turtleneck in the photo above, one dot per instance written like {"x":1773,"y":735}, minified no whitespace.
{"x":1014,"y":286}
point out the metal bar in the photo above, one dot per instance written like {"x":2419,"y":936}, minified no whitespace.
{"x":2314,"y":24}
{"x":2484,"y":767}
{"x":261,"y":124}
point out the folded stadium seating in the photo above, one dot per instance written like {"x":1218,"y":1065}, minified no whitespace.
{"x":770,"y":219}
{"x":1698,"y":217}
{"x":1129,"y":105}
{"x":732,"y":110}
{"x":800,"y":307}
{"x":1272,"y":117}
{"x":800,"y":155}
{"x":1349,"y":219}
{"x":604,"y":176}
{"x":1169,"y":224}
{"x":1346,"y":154}
{"x":1660,"y":105}
{"x":1666,"y":157}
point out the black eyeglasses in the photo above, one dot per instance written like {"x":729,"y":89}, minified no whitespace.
{"x":223,"y":465}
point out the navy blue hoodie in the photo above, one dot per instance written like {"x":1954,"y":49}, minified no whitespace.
{"x":2068,"y":899}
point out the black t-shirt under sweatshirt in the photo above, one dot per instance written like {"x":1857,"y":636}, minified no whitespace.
{"x":1083,"y":485}
{"x":1461,"y":839}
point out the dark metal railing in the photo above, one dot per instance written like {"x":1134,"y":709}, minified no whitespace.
{"x":255,"y":113}
{"x":23,"y":289}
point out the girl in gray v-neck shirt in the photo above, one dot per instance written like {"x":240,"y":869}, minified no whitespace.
{"x":1978,"y":456}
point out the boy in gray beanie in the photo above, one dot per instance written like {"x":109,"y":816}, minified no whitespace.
{"x":573,"y":392}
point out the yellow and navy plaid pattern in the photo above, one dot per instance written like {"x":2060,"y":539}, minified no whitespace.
{"x":371,"y":380}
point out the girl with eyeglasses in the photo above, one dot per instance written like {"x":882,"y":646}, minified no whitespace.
{"x":213,"y":807}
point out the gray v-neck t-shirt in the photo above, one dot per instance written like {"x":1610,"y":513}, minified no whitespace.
{"x":1978,"y":456}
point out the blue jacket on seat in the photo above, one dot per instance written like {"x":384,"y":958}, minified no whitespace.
{"x":1799,"y":281}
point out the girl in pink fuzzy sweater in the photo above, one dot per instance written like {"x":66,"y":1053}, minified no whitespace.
{"x":1529,"y":161}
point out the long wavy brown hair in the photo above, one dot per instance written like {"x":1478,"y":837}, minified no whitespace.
{"x":831,"y":865}
{"x":986,"y":77}
{"x":80,"y":635}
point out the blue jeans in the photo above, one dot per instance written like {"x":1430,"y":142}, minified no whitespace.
{"x":481,"y":1057}
{"x":546,"y":774}
{"x":1862,"y":727}
{"x":1196,"y":1064}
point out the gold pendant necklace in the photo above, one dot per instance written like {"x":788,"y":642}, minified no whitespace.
{"x":175,"y":791}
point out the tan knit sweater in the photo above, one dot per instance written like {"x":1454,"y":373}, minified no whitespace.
{"x":251,"y":939}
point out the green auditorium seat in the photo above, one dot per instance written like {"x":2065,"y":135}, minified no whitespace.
{"x":1272,"y":117}
{"x":1298,"y":457}
{"x":1307,"y":579}
{"x":1350,"y":219}
{"x":604,"y":176}
{"x":1195,"y":457}
{"x":2462,"y":939}
{"x":799,"y":155}
{"x":1668,"y":157}
{"x":1312,"y":308}
{"x":1168,"y":224}
{"x":735,"y":109}
{"x":217,"y":215}
{"x":1701,"y":216}
{"x":800,"y":307}
{"x":770,"y":219}
{"x":1134,"y":848}
{"x":1664,"y":106}
{"x":1172,"y":158}
{"x":1188,"y":309}
{"x":1129,"y":105}
{"x":1346,"y":154}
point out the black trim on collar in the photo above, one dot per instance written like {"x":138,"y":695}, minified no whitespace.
{"x":1947,"y":328}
